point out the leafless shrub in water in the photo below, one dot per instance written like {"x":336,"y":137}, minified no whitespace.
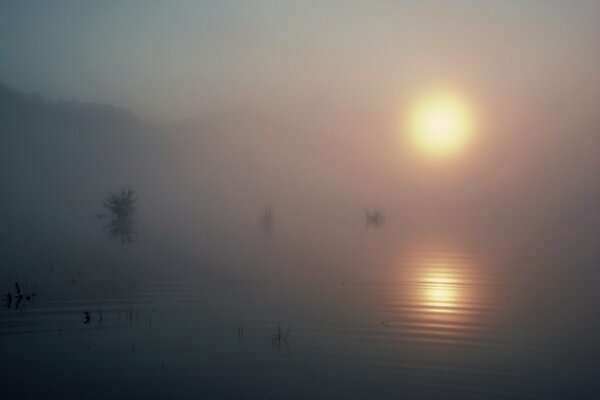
{"x":279,"y":337}
{"x":121,"y":209}
{"x":373,"y":219}
{"x":20,"y":295}
{"x":266,"y":221}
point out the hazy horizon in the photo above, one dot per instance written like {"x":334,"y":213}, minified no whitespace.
{"x":179,"y":60}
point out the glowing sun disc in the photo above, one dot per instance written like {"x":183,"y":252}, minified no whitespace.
{"x":440,"y":124}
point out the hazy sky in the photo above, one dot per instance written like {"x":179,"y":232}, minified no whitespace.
{"x":174,"y":59}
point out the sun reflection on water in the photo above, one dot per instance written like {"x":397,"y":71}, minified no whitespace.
{"x":441,"y":288}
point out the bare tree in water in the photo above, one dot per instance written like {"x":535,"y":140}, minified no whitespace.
{"x":121,"y":218}
{"x":373,"y":219}
{"x":266,"y":221}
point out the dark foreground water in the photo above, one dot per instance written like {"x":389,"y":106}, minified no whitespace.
{"x":427,"y":324}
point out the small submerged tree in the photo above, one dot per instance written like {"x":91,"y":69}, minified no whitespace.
{"x":122,"y":210}
{"x":266,"y":221}
{"x":121,"y":205}
{"x":373,"y":219}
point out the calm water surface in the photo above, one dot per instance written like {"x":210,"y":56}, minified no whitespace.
{"x":427,"y":324}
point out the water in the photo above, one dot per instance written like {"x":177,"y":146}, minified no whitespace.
{"x":416,"y":323}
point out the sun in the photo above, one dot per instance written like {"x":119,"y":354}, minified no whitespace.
{"x":441,"y":124}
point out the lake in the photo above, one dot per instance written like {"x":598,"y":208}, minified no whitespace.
{"x":380,"y":316}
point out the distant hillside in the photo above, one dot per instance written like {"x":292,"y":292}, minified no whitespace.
{"x":17,"y":107}
{"x":59,"y":159}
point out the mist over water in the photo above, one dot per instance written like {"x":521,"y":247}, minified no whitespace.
{"x":256,"y":265}
{"x":255,"y":224}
